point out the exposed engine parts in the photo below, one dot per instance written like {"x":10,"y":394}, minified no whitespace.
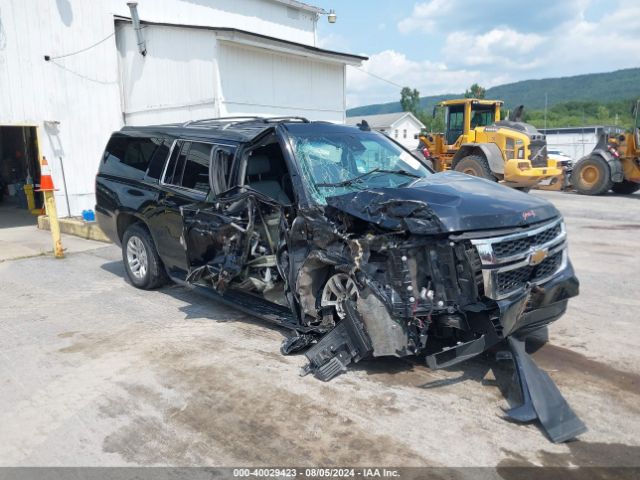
{"x":360,"y":290}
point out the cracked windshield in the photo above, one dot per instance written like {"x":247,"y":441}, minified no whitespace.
{"x":339,"y":163}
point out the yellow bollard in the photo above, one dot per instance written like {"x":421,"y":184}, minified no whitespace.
{"x":46,"y":186}
{"x":54,"y":225}
{"x":31,"y":201}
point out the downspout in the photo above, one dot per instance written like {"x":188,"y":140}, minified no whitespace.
{"x":135,"y":19}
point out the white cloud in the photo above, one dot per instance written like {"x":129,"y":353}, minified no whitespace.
{"x":499,"y":47}
{"x":496,"y":53}
{"x":425,"y":16}
{"x":428,"y":77}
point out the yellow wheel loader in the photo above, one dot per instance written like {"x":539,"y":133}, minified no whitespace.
{"x":477,"y":142}
{"x":614,"y":163}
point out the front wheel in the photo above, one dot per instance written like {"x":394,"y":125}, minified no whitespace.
{"x":475,"y":165}
{"x":625,"y":187}
{"x":591,"y":176}
{"x":141,"y":261}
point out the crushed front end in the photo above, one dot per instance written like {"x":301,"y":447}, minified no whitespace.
{"x":445,"y":296}
{"x":452,"y":296}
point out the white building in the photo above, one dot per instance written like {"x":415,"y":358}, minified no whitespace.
{"x":576,"y":142}
{"x":71,"y":72}
{"x":403,"y":127}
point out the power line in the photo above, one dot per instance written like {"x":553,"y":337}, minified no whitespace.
{"x":380,"y":78}
{"x":48,"y":58}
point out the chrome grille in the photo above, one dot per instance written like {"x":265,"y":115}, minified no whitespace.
{"x":508,"y":248}
{"x":510,"y":262}
{"x":512,"y":280}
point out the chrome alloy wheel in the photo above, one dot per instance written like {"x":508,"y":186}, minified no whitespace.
{"x":339,"y":288}
{"x":137,"y":257}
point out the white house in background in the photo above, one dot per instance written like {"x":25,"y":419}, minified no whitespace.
{"x":576,"y":142}
{"x":71,"y":72}
{"x":403,"y":127}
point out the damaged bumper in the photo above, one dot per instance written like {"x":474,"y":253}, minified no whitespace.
{"x":455,"y":298}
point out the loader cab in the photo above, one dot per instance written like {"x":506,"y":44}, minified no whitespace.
{"x":463,"y":115}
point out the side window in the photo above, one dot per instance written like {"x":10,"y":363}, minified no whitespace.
{"x":158,"y":159}
{"x":195,"y":175}
{"x":129,"y":156}
{"x":221,"y":166}
{"x":173,"y":174}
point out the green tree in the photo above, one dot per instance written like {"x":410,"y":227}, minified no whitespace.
{"x":475,"y":91}
{"x":410,"y":100}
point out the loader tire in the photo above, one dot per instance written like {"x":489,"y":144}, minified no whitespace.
{"x":591,"y":176}
{"x":476,"y":166}
{"x":625,"y":187}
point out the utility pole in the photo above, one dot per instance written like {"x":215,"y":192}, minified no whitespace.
{"x":546,"y":100}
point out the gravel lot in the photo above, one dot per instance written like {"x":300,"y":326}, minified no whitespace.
{"x":96,"y":372}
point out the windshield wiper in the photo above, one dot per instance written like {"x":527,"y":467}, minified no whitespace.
{"x":351,"y":181}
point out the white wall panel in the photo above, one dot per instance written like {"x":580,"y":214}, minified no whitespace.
{"x":178,"y":79}
{"x":258,"y":81}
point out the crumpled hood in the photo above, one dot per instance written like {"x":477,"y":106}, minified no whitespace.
{"x":445,"y":202}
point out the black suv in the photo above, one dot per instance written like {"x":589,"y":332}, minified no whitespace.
{"x":336,"y":232}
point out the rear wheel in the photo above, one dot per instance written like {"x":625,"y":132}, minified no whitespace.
{"x":591,"y":176}
{"x":475,"y":165}
{"x":625,"y":187}
{"x":141,"y":260}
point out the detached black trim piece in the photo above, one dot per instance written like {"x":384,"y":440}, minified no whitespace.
{"x":542,"y":399}
{"x":347,"y":342}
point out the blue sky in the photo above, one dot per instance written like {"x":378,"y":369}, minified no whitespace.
{"x":443,"y":46}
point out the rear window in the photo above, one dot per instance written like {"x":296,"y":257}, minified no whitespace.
{"x":129,"y":156}
{"x":196,"y":169}
{"x":158,"y":159}
{"x":189,"y":166}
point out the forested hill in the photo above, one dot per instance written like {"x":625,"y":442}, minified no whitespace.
{"x":601,"y":87}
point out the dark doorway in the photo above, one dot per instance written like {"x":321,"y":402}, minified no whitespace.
{"x":19,"y":175}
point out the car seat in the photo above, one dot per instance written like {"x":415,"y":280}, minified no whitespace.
{"x":258,"y":168}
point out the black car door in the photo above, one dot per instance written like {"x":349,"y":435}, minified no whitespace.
{"x":185,"y":181}
{"x":215,"y":230}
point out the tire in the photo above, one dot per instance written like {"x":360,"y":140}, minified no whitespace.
{"x":140,"y":257}
{"x":591,"y":176}
{"x":475,"y":165}
{"x":625,"y":187}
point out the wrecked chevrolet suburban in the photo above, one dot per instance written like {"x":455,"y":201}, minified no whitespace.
{"x":344,"y":237}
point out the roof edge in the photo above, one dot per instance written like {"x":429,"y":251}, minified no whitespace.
{"x":303,"y":46}
{"x":301,"y":6}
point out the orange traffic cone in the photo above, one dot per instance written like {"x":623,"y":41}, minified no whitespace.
{"x":46,"y":181}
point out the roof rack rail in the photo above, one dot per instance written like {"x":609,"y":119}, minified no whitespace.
{"x":285,"y":118}
{"x":221,"y":120}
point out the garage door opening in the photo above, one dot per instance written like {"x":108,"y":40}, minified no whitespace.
{"x":19,"y":176}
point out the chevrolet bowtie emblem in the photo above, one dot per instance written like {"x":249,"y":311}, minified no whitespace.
{"x":537,"y":257}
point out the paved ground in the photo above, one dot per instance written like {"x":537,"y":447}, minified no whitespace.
{"x":95,"y":372}
{"x":20,"y":238}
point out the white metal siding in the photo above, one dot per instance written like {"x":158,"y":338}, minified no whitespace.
{"x":178,"y":79}
{"x":412,"y":130}
{"x":80,"y":92}
{"x":258,"y":81}
{"x":576,"y":145}
{"x":175,"y":81}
